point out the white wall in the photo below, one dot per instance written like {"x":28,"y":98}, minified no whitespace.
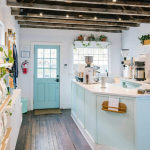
{"x":130,"y":39}
{"x":8,"y":20}
{"x":65,"y":38}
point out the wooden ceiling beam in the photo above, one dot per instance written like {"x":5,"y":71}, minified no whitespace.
{"x":94,"y":30}
{"x":85,"y":18}
{"x":106,"y":2}
{"x":77,"y":9}
{"x":76,"y":22}
{"x":71,"y":26}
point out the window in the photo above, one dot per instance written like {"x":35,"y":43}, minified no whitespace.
{"x":101,"y":57}
{"x":46,"y":63}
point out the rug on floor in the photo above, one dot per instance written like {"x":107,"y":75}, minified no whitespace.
{"x":47,"y":111}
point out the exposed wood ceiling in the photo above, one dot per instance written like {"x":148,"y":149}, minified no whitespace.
{"x":86,"y":15}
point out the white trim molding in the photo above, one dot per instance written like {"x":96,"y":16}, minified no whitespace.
{"x":32,"y":67}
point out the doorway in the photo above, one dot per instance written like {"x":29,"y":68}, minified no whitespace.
{"x":46,"y":76}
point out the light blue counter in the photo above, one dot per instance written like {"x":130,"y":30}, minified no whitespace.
{"x":106,"y":130}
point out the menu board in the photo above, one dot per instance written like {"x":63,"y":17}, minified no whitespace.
{"x":113,"y":102}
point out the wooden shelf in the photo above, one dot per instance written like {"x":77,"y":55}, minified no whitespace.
{"x":6,"y":65}
{"x":4,"y":104}
{"x":5,"y":139}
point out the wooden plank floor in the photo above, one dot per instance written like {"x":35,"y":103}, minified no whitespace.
{"x":50,"y":132}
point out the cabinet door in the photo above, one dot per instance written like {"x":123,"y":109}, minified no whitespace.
{"x":74,"y":98}
{"x":116,"y":129}
{"x":80,"y":104}
{"x":90,"y":114}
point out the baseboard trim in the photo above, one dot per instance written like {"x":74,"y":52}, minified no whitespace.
{"x":88,"y":137}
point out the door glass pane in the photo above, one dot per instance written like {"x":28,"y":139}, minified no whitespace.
{"x":40,"y":53}
{"x":47,"y":53}
{"x":40,"y":63}
{"x":53,"y":53}
{"x":39,"y":73}
{"x":46,"y":63}
{"x":53,"y":63}
{"x":46,"y":73}
{"x":53,"y":73}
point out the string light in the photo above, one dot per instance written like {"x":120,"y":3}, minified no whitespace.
{"x":119,"y":19}
{"x":95,"y":18}
{"x":41,"y":14}
{"x":67,"y":16}
{"x":114,"y":0}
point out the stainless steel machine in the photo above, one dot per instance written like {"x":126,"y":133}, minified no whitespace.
{"x":89,"y":71}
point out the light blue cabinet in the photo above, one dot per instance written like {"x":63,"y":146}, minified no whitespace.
{"x":90,"y":114}
{"x":74,"y":98}
{"x":116,"y":129}
{"x":110,"y":130}
{"x":80,"y":105}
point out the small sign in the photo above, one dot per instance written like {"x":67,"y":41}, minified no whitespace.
{"x":113,"y":102}
{"x":25,"y":54}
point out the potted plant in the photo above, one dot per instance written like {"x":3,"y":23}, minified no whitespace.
{"x":102,"y":38}
{"x":91,"y":38}
{"x":80,"y":38}
{"x":145,"y":39}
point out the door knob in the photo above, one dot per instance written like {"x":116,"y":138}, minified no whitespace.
{"x":57,"y":80}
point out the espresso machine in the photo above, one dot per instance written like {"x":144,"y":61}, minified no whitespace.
{"x":89,"y":71}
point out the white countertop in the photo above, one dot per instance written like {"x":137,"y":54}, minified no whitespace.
{"x":110,"y":90}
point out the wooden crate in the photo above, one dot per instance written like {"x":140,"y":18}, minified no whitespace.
{"x":147,"y":42}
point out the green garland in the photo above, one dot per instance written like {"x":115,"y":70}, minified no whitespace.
{"x":86,"y":45}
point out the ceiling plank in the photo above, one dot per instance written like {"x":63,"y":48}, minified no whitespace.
{"x":77,"y":9}
{"x":76,"y":22}
{"x":71,"y":26}
{"x":94,"y":30}
{"x":87,"y":18}
{"x":106,"y":2}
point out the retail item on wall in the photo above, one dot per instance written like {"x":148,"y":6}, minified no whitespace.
{"x":6,"y":39}
{"x":1,"y":58}
{"x":4,"y":118}
{"x":1,"y":97}
{"x":3,"y":88}
{"x":15,"y":65}
{"x":1,"y":129}
{"x":6,"y":78}
{"x":10,"y":32}
{"x":24,"y":67}
{"x":10,"y":45}
{"x":11,"y":85}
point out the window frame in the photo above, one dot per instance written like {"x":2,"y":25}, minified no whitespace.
{"x":93,"y":44}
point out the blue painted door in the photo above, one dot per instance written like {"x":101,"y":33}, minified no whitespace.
{"x":46,"y":76}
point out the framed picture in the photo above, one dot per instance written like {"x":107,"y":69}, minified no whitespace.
{"x":25,"y":54}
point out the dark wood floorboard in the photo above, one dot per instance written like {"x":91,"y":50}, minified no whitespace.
{"x":50,"y":132}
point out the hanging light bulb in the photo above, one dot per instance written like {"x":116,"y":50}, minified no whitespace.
{"x":41,"y":14}
{"x":67,"y":16}
{"x":114,"y":0}
{"x":95,"y":18}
